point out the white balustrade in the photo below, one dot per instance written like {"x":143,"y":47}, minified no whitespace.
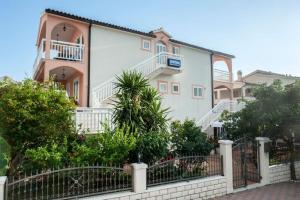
{"x":215,"y":113}
{"x":220,"y":75}
{"x":147,"y":67}
{"x":59,"y":50}
{"x":66,"y":50}
{"x":92,"y":120}
{"x":40,"y":55}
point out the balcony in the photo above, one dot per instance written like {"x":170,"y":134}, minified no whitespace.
{"x":221,"y":75}
{"x":170,"y":63}
{"x":59,"y":50}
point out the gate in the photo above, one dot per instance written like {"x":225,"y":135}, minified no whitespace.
{"x":245,"y":162}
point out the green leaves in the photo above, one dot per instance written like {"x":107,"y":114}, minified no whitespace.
{"x":138,"y":105}
{"x":34,"y":115}
{"x":187,"y":138}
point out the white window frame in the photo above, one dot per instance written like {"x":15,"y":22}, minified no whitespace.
{"x":159,"y":84}
{"x":172,"y":87}
{"x":202,"y":91}
{"x":175,"y":50}
{"x":78,"y":90}
{"x":143,"y":44}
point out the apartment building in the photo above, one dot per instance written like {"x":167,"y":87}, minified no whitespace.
{"x":85,"y":55}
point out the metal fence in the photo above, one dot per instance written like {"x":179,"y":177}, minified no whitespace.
{"x":280,"y":153}
{"x":184,"y":168}
{"x":68,"y":183}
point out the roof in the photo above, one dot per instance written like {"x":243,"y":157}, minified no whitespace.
{"x":270,"y":73}
{"x":148,"y":34}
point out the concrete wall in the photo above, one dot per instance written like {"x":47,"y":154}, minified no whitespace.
{"x":197,"y":189}
{"x":281,"y":173}
{"x":196,"y":71}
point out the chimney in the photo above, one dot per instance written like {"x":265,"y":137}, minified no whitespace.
{"x":239,"y":75}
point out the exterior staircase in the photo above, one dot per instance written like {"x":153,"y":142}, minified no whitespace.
{"x":150,"y":68}
{"x":215,"y":113}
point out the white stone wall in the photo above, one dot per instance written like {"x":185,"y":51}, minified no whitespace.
{"x":281,"y":173}
{"x":204,"y":188}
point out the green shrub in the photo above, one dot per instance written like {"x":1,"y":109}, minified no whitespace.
{"x":4,"y":156}
{"x":151,"y":146}
{"x":187,"y":138}
{"x":109,"y":147}
{"x":45,"y":157}
{"x":34,"y":116}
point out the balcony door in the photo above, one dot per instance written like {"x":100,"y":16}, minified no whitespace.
{"x":161,"y":48}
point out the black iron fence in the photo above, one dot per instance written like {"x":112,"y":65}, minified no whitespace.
{"x":181,"y":168}
{"x":68,"y":183}
{"x":280,"y":153}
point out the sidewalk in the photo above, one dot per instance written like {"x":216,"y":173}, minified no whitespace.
{"x":279,"y":191}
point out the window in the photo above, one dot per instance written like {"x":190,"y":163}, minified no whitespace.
{"x":175,"y":50}
{"x":76,"y":90}
{"x":198,"y":91}
{"x":146,"y":44}
{"x":175,"y":88}
{"x":163,"y":87}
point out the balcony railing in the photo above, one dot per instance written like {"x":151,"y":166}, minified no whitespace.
{"x":220,"y":75}
{"x":66,"y":50}
{"x":59,"y":50}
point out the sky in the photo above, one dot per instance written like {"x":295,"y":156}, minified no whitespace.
{"x":261,"y":34}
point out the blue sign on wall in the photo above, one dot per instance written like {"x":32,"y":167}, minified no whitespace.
{"x":174,"y":63}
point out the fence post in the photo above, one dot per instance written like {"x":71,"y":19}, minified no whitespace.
{"x":263,"y":160}
{"x":139,"y":178}
{"x":2,"y":187}
{"x":226,"y":152}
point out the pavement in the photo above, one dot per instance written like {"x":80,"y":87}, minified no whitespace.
{"x":279,"y":191}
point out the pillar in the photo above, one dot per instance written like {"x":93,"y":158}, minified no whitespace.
{"x":226,"y":152}
{"x":139,"y":177}
{"x":2,"y":187}
{"x":263,"y":160}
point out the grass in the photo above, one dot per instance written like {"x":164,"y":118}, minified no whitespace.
{"x":4,"y":153}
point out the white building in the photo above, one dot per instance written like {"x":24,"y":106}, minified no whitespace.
{"x":85,"y":55}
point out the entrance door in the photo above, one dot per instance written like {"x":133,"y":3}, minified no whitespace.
{"x":161,"y":48}
{"x":245,"y":162}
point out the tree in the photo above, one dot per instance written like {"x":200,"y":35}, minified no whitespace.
{"x":34,"y":114}
{"x":275,"y":113}
{"x":139,"y":107}
{"x":187,"y":138}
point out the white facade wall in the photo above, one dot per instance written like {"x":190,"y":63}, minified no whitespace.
{"x":196,"y":71}
{"x":197,"y":189}
{"x":281,"y":173}
{"x":113,"y":51}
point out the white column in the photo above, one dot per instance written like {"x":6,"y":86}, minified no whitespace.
{"x":226,"y":152}
{"x":2,"y":187}
{"x":264,"y":160}
{"x":139,"y":178}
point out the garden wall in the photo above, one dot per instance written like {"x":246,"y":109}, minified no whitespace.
{"x":281,"y":172}
{"x":203,"y":188}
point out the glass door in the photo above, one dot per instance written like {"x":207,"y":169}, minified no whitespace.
{"x":161,"y":48}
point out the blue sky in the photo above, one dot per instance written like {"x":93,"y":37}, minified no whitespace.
{"x":261,"y":34}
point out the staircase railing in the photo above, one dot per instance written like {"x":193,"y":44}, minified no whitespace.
{"x":146,"y":67}
{"x":215,"y":113}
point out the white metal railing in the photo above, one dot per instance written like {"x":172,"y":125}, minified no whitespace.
{"x":66,"y":50}
{"x":146,"y":67}
{"x":221,"y":75}
{"x":215,"y":113}
{"x":40,"y":55}
{"x":92,"y":119}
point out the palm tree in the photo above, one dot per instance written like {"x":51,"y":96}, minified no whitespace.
{"x":138,"y":105}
